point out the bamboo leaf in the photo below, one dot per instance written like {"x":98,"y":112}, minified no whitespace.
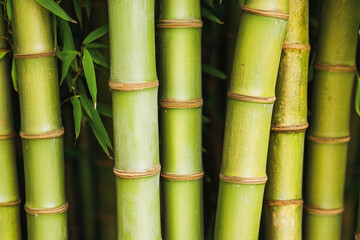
{"x":53,"y":7}
{"x":87,"y":7}
{"x":98,"y":58}
{"x":205,"y":120}
{"x":78,"y":11}
{"x":97,"y":33}
{"x":89,"y":71}
{"x":77,"y":115}
{"x":66,"y":63}
{"x":96,"y":45}
{"x":357,"y":95}
{"x":14,"y":75}
{"x":3,"y":54}
{"x":209,"y":15}
{"x":213,"y":71}
{"x":105,"y":110}
{"x":9,"y":9}
{"x":99,"y":139}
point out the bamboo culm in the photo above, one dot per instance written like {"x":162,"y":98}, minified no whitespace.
{"x":328,"y":134}
{"x":180,"y":103}
{"x":283,"y":193}
{"x":134,"y":84}
{"x":41,"y":126}
{"x":248,"y":118}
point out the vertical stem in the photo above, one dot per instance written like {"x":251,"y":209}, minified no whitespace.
{"x":9,"y":193}
{"x":41,"y":126}
{"x":248,"y":119}
{"x":283,"y":194}
{"x":328,"y":134}
{"x":180,"y":110}
{"x":134,"y":83}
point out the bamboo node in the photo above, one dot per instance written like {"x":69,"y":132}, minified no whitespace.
{"x":335,"y":68}
{"x":4,"y":50}
{"x":35,"y":55}
{"x":46,"y":135}
{"x":182,"y":177}
{"x":296,"y":46}
{"x":179,"y":23}
{"x":124,"y":174}
{"x":132,"y":86}
{"x":7,"y":136}
{"x":328,"y":139}
{"x":266,"y":13}
{"x":41,"y":211}
{"x":243,"y":180}
{"x":290,"y":128}
{"x":251,"y":98}
{"x":275,"y":202}
{"x":9,"y":204}
{"x":172,"y":103}
{"x":323,"y":212}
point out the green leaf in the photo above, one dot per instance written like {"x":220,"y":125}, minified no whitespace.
{"x":3,"y":54}
{"x":99,"y":138}
{"x":69,"y":53}
{"x":87,"y":7}
{"x":205,"y":120}
{"x":98,"y":58}
{"x":240,"y":2}
{"x":209,"y":2}
{"x":97,"y":33}
{"x":89,"y":71}
{"x":105,"y":110}
{"x":78,"y":11}
{"x":96,"y":45}
{"x":357,"y":95}
{"x":66,"y":62}
{"x":9,"y":9}
{"x":213,"y":71}
{"x":53,"y":7}
{"x":77,"y":115}
{"x":14,"y":75}
{"x":209,"y":15}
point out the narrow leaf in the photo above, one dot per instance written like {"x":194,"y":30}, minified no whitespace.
{"x":89,"y":71}
{"x":209,"y":15}
{"x":97,"y":33}
{"x":87,"y":7}
{"x":105,"y":110}
{"x":213,"y":71}
{"x":77,"y":115}
{"x":14,"y":75}
{"x":3,"y":54}
{"x":78,"y":11}
{"x":96,"y":45}
{"x":9,"y":9}
{"x":98,"y":58}
{"x":66,"y":62}
{"x":99,"y":139}
{"x":53,"y":7}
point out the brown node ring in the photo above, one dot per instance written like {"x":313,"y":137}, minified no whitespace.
{"x":7,"y":136}
{"x":323,"y":212}
{"x":243,"y":180}
{"x":246,"y":98}
{"x":35,"y":55}
{"x":335,"y":68}
{"x":46,"y":135}
{"x":328,"y":139}
{"x":172,"y":103}
{"x":290,"y":128}
{"x":270,"y":203}
{"x":9,"y":204}
{"x":179,"y":23}
{"x":4,"y":50}
{"x":43,"y":211}
{"x":296,"y":46}
{"x":124,"y":174}
{"x":266,"y":13}
{"x":182,"y":177}
{"x":129,"y":86}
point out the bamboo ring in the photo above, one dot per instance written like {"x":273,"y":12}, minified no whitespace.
{"x":322,"y":211}
{"x":7,"y":136}
{"x":35,"y":55}
{"x":251,"y":98}
{"x":243,"y":180}
{"x":270,"y":203}
{"x":179,"y":23}
{"x":335,"y":68}
{"x":46,"y":135}
{"x":43,"y":211}
{"x":8,"y":204}
{"x":290,"y":128}
{"x":132,"y":86}
{"x":182,"y":177}
{"x":328,"y":139}
{"x":124,"y":174}
{"x":266,"y":13}
{"x":172,"y":103}
{"x":296,"y":46}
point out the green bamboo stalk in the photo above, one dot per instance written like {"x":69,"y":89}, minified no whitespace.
{"x":9,"y":193}
{"x":283,"y":193}
{"x":329,"y":124}
{"x":134,"y":83}
{"x":249,"y":110}
{"x":41,"y":127}
{"x":180,"y":113}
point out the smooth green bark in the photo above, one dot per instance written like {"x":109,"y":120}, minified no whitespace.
{"x":40,"y":113}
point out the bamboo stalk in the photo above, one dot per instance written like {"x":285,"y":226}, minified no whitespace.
{"x":180,"y":111}
{"x":41,"y":127}
{"x":283,"y":193}
{"x":328,"y":134}
{"x":248,"y":118}
{"x":134,"y":92}
{"x":9,"y":193}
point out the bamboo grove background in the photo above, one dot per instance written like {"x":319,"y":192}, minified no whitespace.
{"x":251,"y":108}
